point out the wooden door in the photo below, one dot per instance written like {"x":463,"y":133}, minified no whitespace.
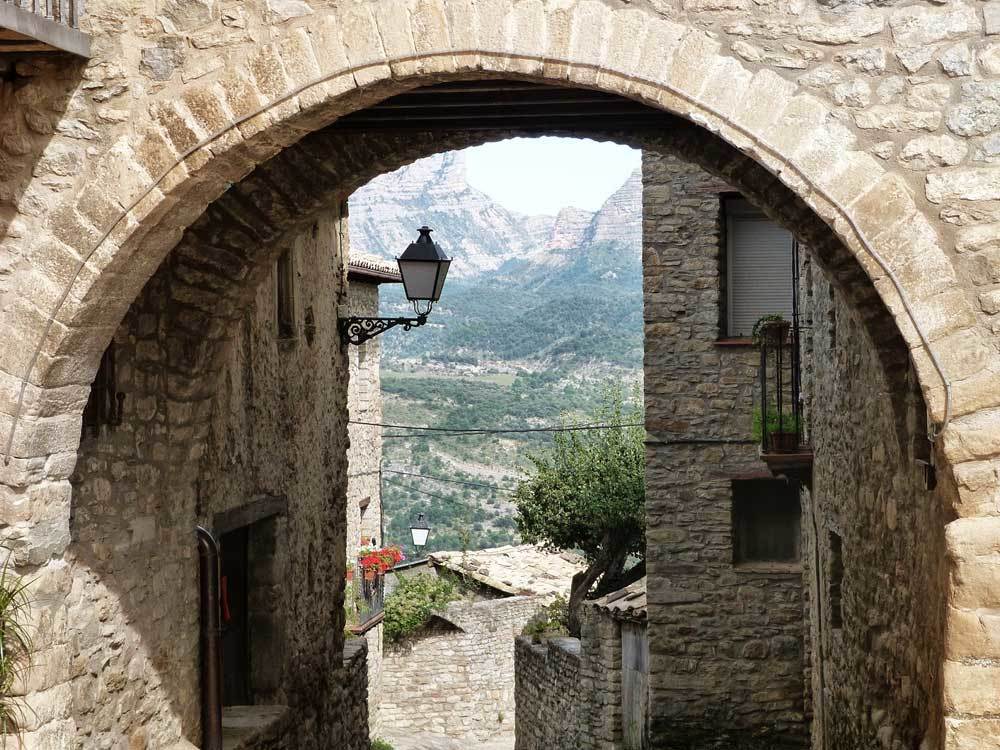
{"x":635,"y":685}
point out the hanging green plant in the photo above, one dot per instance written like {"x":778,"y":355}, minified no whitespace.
{"x":762,"y":323}
{"x":15,"y":648}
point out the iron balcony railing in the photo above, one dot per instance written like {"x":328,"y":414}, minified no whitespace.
{"x":779,"y":412}
{"x":43,"y":26}
{"x":371,"y":597}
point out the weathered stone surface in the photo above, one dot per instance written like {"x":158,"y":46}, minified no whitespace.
{"x":957,"y":61}
{"x":970,"y":184}
{"x":933,"y":151}
{"x":895,"y":118}
{"x":946,"y":43}
{"x":470,"y":645}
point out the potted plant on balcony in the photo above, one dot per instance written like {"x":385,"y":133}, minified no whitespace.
{"x":782,"y":434}
{"x":774,"y":326}
{"x":376,"y":562}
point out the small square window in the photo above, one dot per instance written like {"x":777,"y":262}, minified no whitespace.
{"x":766,"y":521}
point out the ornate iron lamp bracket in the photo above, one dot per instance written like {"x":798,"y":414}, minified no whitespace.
{"x":357,"y":331}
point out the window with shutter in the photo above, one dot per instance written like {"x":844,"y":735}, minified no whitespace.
{"x":759,"y":268}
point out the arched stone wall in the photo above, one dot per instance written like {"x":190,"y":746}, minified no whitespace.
{"x":89,"y":240}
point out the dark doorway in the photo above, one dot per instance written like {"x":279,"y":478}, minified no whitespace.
{"x":235,"y":618}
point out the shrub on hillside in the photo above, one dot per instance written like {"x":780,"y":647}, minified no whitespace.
{"x":413,"y":602}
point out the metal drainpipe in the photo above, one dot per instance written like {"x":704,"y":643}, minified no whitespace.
{"x":211,"y":640}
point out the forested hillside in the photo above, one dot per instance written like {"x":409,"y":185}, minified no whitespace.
{"x":539,"y":314}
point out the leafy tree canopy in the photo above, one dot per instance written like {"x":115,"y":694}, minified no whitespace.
{"x":587,"y":493}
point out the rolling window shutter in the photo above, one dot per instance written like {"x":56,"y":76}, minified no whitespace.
{"x":760,"y":269}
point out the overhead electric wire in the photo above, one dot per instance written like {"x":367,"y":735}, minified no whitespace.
{"x":451,"y":431}
{"x":450,"y":481}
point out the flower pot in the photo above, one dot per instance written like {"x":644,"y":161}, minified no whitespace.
{"x":369,"y":575}
{"x":783,"y":442}
{"x":350,"y":576}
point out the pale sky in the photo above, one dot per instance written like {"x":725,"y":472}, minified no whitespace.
{"x":543,"y":175}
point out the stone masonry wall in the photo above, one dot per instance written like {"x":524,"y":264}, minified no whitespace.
{"x":178,"y":459}
{"x":456,"y":676}
{"x":356,"y":693}
{"x":888,"y":107}
{"x":552,"y":707}
{"x":726,"y":641}
{"x":364,"y":461}
{"x":876,"y":669}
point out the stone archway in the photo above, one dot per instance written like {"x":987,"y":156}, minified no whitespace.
{"x":96,"y":251}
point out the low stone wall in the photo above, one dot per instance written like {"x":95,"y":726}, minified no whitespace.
{"x":455,"y":677}
{"x":355,"y":701}
{"x":551,"y":706}
{"x":278,"y":734}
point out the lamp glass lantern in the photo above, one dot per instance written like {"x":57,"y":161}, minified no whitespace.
{"x":424,"y":267}
{"x":419,"y":531}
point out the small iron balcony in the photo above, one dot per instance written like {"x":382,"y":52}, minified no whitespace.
{"x":779,"y":418}
{"x":33,"y":26}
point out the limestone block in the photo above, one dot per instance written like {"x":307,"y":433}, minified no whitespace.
{"x":725,"y":87}
{"x":932,"y":151}
{"x":971,"y":689}
{"x":894,"y":118}
{"x":990,"y":302}
{"x":991,"y":16}
{"x":429,"y":25}
{"x":989,"y":59}
{"x":922,"y":25}
{"x":957,"y":60}
{"x":979,"y":110}
{"x":930,"y":96}
{"x":848,"y":28}
{"x":883,"y":207}
{"x":973,"y":634}
{"x":184,"y":15}
{"x":393,"y":20}
{"x":526,"y":32}
{"x":689,"y":72}
{"x":971,"y":184}
{"x":362,"y":42}
{"x":658,"y":50}
{"x":490,"y":24}
{"x":285,"y":10}
{"x":588,"y":38}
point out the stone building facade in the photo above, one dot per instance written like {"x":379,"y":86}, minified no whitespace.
{"x":747,"y":670}
{"x":364,"y":455}
{"x":145,"y":193}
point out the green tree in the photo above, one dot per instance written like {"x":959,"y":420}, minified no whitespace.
{"x":587,"y":493}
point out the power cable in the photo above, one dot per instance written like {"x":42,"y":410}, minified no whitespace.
{"x":491,"y":430}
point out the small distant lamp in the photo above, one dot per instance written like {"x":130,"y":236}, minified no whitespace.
{"x":419,"y":531}
{"x":423,"y":267}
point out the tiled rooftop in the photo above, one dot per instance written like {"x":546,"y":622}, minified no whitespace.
{"x":519,"y":570}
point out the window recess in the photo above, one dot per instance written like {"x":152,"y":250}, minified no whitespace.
{"x":759,"y":268}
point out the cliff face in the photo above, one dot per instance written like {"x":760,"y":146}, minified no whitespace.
{"x":531,"y":288}
{"x":480,"y":234}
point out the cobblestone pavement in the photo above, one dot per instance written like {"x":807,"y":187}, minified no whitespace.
{"x":420,"y":741}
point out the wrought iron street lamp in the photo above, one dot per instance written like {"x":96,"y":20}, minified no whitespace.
{"x":419,"y":531}
{"x":424,"y":267}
